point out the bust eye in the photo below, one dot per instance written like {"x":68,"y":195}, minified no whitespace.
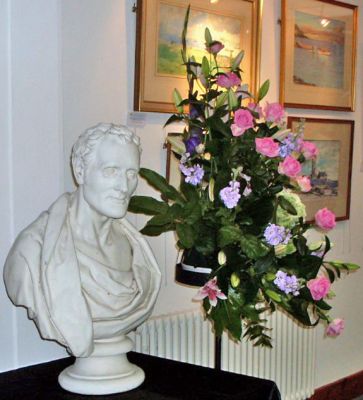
{"x":109,"y":171}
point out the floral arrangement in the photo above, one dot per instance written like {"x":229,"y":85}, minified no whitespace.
{"x":237,"y":210}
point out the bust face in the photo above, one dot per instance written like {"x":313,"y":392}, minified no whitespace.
{"x":110,"y":177}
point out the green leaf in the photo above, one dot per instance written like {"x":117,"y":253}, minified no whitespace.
{"x":218,"y":125}
{"x":286,"y":205}
{"x":147,"y":205}
{"x":208,"y":37}
{"x":344,"y":265}
{"x":161,"y":219}
{"x":205,"y":67}
{"x":185,"y":235}
{"x":177,"y":100}
{"x":232,"y":100}
{"x":253,"y":247}
{"x":237,"y":60}
{"x":352,"y":267}
{"x":184,"y":35}
{"x":263,"y":90}
{"x":323,"y":305}
{"x":159,"y":183}
{"x":156,"y":230}
{"x":273,"y":295}
{"x":174,"y":118}
{"x":221,"y":99}
{"x":228,"y":235}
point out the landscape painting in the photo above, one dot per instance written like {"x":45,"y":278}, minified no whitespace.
{"x":171,"y":17}
{"x":319,"y":51}
{"x":324,"y":170}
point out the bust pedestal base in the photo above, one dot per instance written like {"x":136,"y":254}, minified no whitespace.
{"x":107,"y":370}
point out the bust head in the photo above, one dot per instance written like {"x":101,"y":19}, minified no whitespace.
{"x":106,"y":160}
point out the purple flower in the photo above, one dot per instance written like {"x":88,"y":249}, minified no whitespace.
{"x":230,"y":195}
{"x":286,"y":283}
{"x":288,"y":145}
{"x":192,"y":143}
{"x":276,"y":234}
{"x":215,"y":47}
{"x":194,"y":175}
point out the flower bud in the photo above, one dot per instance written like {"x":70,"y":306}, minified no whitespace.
{"x":211,"y":189}
{"x":235,"y":281}
{"x":222,"y":259}
{"x":207,"y":156}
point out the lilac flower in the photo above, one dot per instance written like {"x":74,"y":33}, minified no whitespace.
{"x":194,"y":175}
{"x":288,"y":145}
{"x":286,"y":283}
{"x":230,"y":195}
{"x":276,"y":234}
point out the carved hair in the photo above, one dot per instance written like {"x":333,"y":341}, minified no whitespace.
{"x":84,"y":148}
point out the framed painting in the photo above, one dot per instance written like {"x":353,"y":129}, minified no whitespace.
{"x":159,"y":69}
{"x":318,"y":54}
{"x":330,"y":172}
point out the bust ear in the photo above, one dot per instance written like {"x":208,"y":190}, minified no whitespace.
{"x":78,"y":172}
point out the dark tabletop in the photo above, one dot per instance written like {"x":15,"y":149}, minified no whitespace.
{"x":165,"y":380}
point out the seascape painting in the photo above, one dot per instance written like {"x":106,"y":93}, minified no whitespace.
{"x":324,"y":171}
{"x":319,"y":51}
{"x":223,"y":28}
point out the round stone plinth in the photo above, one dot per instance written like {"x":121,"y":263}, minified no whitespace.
{"x":107,"y":370}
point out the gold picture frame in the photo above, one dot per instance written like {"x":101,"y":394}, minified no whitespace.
{"x":318,"y":54}
{"x":330,"y":173}
{"x":158,"y":44}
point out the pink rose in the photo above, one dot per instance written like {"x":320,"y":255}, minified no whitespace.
{"x":228,"y":80}
{"x":255,"y":107}
{"x":304,"y":183}
{"x":309,"y":150}
{"x":335,"y":327}
{"x":243,"y":119}
{"x":290,"y":167}
{"x":319,"y":287}
{"x":325,"y":219}
{"x":274,"y":112}
{"x":267,"y":147}
{"x":215,"y":47}
{"x":236,"y":130}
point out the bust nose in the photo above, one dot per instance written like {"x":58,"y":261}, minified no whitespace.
{"x":121,"y":184}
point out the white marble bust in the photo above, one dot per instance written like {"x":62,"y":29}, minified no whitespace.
{"x":85,"y":274}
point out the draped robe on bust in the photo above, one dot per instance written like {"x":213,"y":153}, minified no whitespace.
{"x":42,"y":273}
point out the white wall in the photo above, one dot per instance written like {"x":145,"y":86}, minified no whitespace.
{"x":69,"y":64}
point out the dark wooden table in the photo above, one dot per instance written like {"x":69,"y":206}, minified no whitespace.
{"x":165,"y":380}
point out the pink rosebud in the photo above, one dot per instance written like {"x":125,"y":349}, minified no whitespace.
{"x":274,"y":112}
{"x":319,"y":287}
{"x":236,"y":130}
{"x":290,"y":167}
{"x":228,"y":80}
{"x":243,"y":119}
{"x":267,"y":147}
{"x":325,"y":219}
{"x":215,"y":47}
{"x":255,"y":107}
{"x":212,"y":291}
{"x":309,"y":150}
{"x":335,"y":328}
{"x":304,"y":183}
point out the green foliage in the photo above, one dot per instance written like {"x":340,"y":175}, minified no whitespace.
{"x":230,"y":196}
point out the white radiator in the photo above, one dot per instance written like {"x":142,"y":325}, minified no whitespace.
{"x":187,"y":337}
